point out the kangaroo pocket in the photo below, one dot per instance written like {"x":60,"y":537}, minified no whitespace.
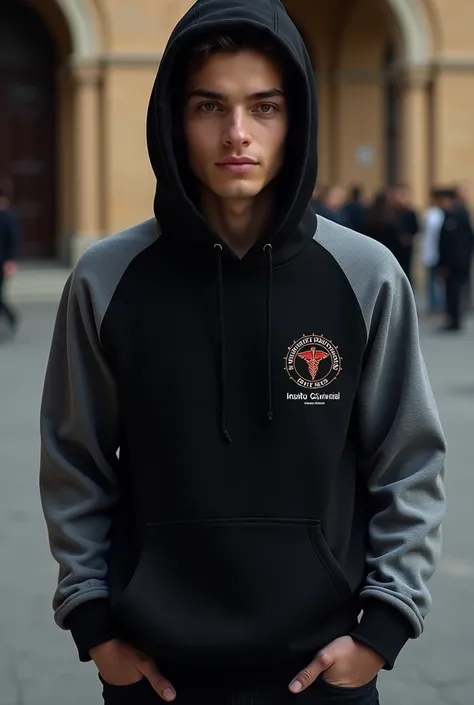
{"x":230,"y":587}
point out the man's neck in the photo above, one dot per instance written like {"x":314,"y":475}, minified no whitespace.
{"x":239,"y":222}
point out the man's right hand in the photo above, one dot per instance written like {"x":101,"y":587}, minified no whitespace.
{"x":120,"y":665}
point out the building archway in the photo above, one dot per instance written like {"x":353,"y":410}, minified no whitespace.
{"x":45,"y":94}
{"x":415,"y":32}
{"x":28,"y":63}
{"x":85,"y":34}
{"x":371,"y":60}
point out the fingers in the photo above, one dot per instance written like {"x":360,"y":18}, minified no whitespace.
{"x":157,"y":680}
{"x":308,"y":675}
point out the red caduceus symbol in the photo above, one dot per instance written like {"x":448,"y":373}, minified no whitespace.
{"x":313,"y":357}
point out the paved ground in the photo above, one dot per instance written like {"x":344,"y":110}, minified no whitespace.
{"x":38,"y":664}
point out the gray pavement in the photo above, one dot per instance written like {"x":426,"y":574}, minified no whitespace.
{"x":38,"y":662}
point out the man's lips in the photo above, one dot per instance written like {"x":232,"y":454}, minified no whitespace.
{"x":237,"y":160}
{"x":237,"y":164}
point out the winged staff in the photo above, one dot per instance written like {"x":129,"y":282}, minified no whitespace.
{"x":313,"y":357}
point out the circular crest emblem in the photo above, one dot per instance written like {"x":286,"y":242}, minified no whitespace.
{"x":313,"y":362}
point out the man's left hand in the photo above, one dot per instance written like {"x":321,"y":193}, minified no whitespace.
{"x":344,"y":663}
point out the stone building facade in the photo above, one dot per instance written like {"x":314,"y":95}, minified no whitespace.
{"x":396,"y":92}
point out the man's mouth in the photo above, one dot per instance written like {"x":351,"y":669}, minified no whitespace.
{"x":238,"y":164}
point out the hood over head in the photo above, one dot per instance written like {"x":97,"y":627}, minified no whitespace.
{"x":176,"y":206}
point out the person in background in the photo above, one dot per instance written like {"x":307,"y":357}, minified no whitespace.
{"x":463,"y":202}
{"x":381,"y":224}
{"x":456,"y":247}
{"x":408,"y":226}
{"x":318,"y":200}
{"x":355,"y":209}
{"x":9,"y":245}
{"x":328,"y":201}
{"x":334,"y":203}
{"x":433,"y":222}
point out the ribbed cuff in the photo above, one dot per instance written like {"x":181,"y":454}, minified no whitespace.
{"x":90,"y":625}
{"x":384,"y":629}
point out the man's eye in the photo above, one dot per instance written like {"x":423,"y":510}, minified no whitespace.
{"x":267,"y":108}
{"x":207,"y":107}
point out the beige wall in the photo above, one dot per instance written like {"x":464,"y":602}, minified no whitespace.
{"x":123,"y":41}
{"x":130,"y":180}
{"x":454,"y":109}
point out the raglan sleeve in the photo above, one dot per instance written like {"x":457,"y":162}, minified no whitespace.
{"x":402,"y":458}
{"x":78,"y":465}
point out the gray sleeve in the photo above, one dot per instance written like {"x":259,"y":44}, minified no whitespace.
{"x":79,"y":442}
{"x":79,"y":424}
{"x":402,"y":446}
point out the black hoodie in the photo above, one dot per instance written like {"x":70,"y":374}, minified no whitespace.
{"x":238,"y":455}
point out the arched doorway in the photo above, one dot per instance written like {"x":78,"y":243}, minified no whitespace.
{"x":364,"y":50}
{"x":28,"y":125}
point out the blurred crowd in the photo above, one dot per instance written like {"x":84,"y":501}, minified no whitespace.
{"x":443,"y":235}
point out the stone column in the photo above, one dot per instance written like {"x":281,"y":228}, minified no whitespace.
{"x":416,"y":133}
{"x":87,"y":184}
{"x":416,"y":146}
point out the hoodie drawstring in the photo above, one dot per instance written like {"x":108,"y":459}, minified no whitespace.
{"x":221,"y":318}
{"x":269,"y":250}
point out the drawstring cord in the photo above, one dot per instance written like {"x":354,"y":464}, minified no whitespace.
{"x":269,"y":250}
{"x":221,"y":318}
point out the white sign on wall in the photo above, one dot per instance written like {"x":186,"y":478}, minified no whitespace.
{"x":365,"y":155}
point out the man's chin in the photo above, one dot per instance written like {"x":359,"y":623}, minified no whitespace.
{"x":237,"y":193}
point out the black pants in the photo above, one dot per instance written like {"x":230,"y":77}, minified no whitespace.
{"x":320,"y":693}
{"x":5,"y":309}
{"x":455,"y":283}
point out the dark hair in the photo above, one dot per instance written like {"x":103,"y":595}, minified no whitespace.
{"x":196,"y":55}
{"x":380,"y":214}
{"x":445,"y":192}
{"x":232,"y":43}
{"x":356,"y":193}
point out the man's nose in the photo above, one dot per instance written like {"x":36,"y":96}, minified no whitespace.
{"x":237,"y":130}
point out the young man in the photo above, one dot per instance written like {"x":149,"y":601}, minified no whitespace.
{"x":240,"y":448}
{"x":8,"y":255}
{"x":407,"y":218}
{"x":456,"y":247}
{"x":355,"y":209}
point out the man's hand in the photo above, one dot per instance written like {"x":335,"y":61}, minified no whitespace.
{"x":9,"y":268}
{"x":345,"y":663}
{"x":120,"y":664}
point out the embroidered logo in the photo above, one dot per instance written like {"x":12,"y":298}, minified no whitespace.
{"x":313,"y":362}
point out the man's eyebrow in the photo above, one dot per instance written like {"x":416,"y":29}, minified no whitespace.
{"x":263,"y":95}
{"x":215,"y":95}
{"x":204,"y":93}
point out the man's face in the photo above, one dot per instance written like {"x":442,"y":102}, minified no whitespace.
{"x":336,"y":198}
{"x":446,"y":203}
{"x":235,"y":123}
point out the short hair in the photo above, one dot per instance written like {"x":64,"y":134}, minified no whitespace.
{"x":446,"y":192}
{"x":356,"y":193}
{"x":232,"y":43}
